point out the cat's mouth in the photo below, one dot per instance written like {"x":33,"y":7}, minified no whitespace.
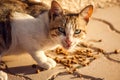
{"x":67,"y":46}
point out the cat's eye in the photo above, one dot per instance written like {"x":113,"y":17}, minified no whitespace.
{"x":62,"y":30}
{"x":77,"y":31}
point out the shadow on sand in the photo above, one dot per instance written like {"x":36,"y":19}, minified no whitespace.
{"x":75,"y":75}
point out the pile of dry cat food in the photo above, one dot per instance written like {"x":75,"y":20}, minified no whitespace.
{"x":78,"y":59}
{"x":73,"y":61}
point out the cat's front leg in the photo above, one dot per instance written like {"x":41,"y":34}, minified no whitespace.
{"x":42,"y":60}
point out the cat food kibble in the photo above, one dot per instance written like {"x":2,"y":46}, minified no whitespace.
{"x":37,"y":71}
{"x":117,"y":51}
{"x":81,"y":57}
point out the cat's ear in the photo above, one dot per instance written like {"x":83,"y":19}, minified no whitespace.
{"x":87,"y":12}
{"x":56,"y":10}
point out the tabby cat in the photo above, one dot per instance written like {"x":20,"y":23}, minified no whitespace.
{"x":50,"y":29}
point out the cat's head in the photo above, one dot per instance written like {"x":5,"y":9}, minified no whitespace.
{"x":68,"y":29}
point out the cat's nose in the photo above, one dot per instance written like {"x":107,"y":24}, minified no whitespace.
{"x":68,"y":41}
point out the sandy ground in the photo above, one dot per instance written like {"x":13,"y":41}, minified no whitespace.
{"x":102,"y":68}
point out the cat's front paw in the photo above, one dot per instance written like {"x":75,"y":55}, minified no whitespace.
{"x":50,"y":63}
{"x":3,"y":75}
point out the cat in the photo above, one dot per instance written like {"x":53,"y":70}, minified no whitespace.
{"x":54,"y":27}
